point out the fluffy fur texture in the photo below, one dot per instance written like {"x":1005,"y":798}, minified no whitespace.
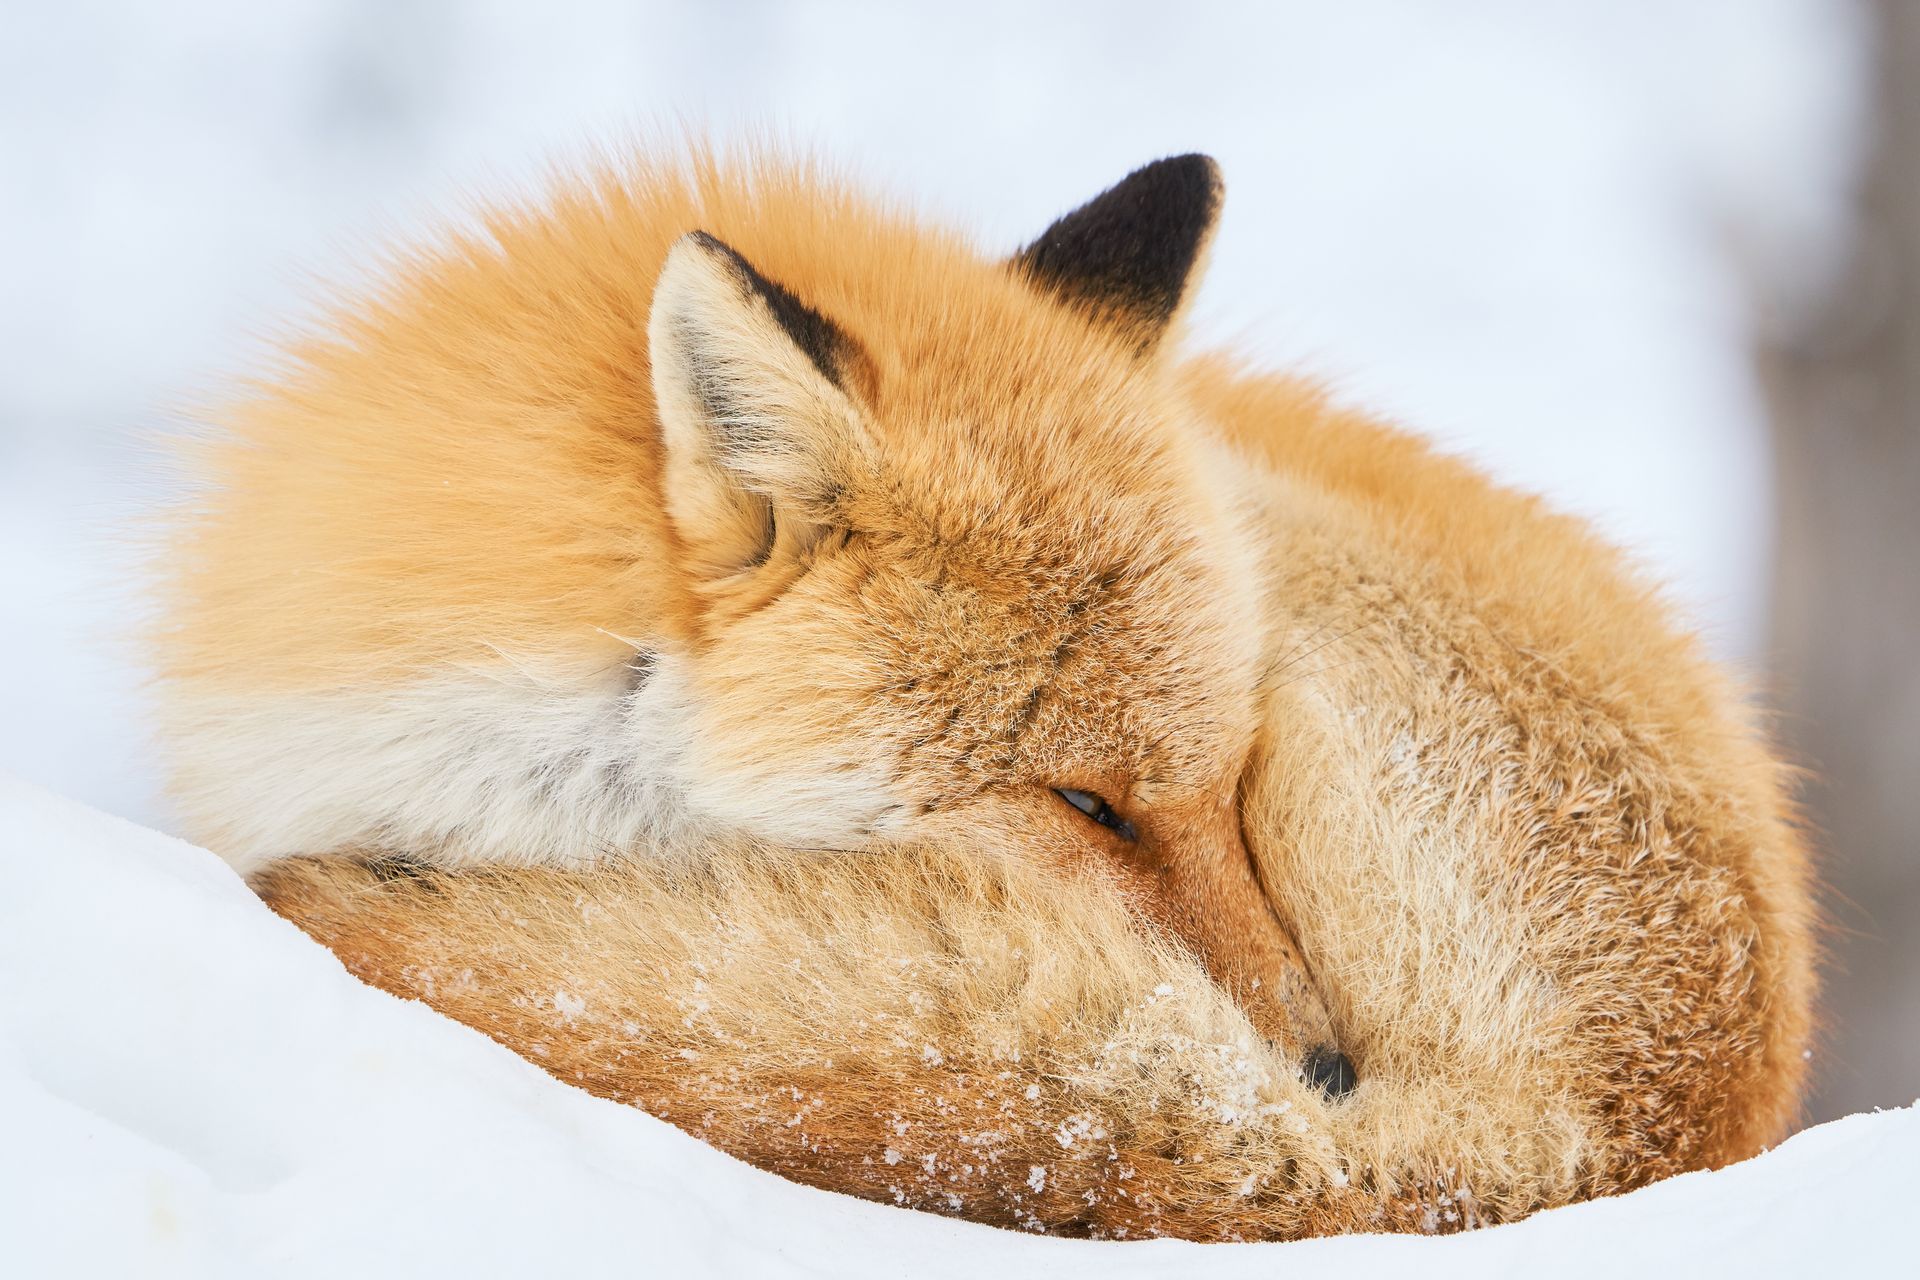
{"x":592,"y":561}
{"x":950,"y":1032}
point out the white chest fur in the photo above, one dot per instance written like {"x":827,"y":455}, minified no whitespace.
{"x":508,"y":765}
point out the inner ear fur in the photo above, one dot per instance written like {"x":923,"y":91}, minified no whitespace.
{"x":1126,"y":256}
{"x":757,"y":427}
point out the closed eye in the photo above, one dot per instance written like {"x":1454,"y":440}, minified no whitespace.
{"x":1099,"y":810}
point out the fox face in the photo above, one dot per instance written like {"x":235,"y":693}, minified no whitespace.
{"x":703,"y":507}
{"x":978,"y":582}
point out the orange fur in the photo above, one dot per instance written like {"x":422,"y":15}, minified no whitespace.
{"x":1418,"y":768}
{"x":949,"y":1032}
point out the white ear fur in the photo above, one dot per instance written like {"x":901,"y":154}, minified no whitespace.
{"x":754,"y":427}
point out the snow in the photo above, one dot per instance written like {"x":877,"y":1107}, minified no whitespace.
{"x":189,"y":1086}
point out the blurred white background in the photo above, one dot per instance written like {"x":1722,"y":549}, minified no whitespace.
{"x":1548,"y":234}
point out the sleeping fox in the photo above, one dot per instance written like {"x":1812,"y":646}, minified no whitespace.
{"x":710,"y":562}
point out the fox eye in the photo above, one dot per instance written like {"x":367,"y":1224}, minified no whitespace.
{"x":1099,"y":810}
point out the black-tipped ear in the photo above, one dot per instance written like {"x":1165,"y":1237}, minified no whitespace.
{"x":818,"y":338}
{"x":1127,"y":254}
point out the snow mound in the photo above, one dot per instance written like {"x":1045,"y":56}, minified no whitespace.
{"x":189,"y":1086}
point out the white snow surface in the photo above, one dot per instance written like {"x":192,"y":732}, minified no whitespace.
{"x":189,"y":1086}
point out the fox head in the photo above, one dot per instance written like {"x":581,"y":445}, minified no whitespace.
{"x":911,"y":544}
{"x":978,"y":580}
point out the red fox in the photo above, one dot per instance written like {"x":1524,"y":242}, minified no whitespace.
{"x":778,"y":632}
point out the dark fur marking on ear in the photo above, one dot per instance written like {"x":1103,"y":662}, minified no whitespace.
{"x":824,"y":343}
{"x":1127,"y":253}
{"x":390,"y":868}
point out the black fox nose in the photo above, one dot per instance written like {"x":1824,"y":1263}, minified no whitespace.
{"x":1331,"y":1069}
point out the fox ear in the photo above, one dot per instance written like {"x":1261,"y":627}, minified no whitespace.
{"x":1127,"y":254}
{"x":757,"y":428}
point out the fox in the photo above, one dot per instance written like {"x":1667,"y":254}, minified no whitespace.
{"x":946,"y":724}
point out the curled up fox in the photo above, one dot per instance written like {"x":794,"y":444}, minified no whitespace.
{"x":894,"y":711}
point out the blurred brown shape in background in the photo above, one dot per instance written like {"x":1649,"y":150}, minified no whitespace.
{"x":1845,"y":388}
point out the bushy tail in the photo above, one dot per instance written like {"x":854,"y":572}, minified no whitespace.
{"x":954,"y":1034}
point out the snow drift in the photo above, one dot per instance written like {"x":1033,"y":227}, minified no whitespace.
{"x":189,"y":1086}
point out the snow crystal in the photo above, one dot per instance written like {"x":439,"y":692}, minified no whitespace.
{"x":1078,"y":1126}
